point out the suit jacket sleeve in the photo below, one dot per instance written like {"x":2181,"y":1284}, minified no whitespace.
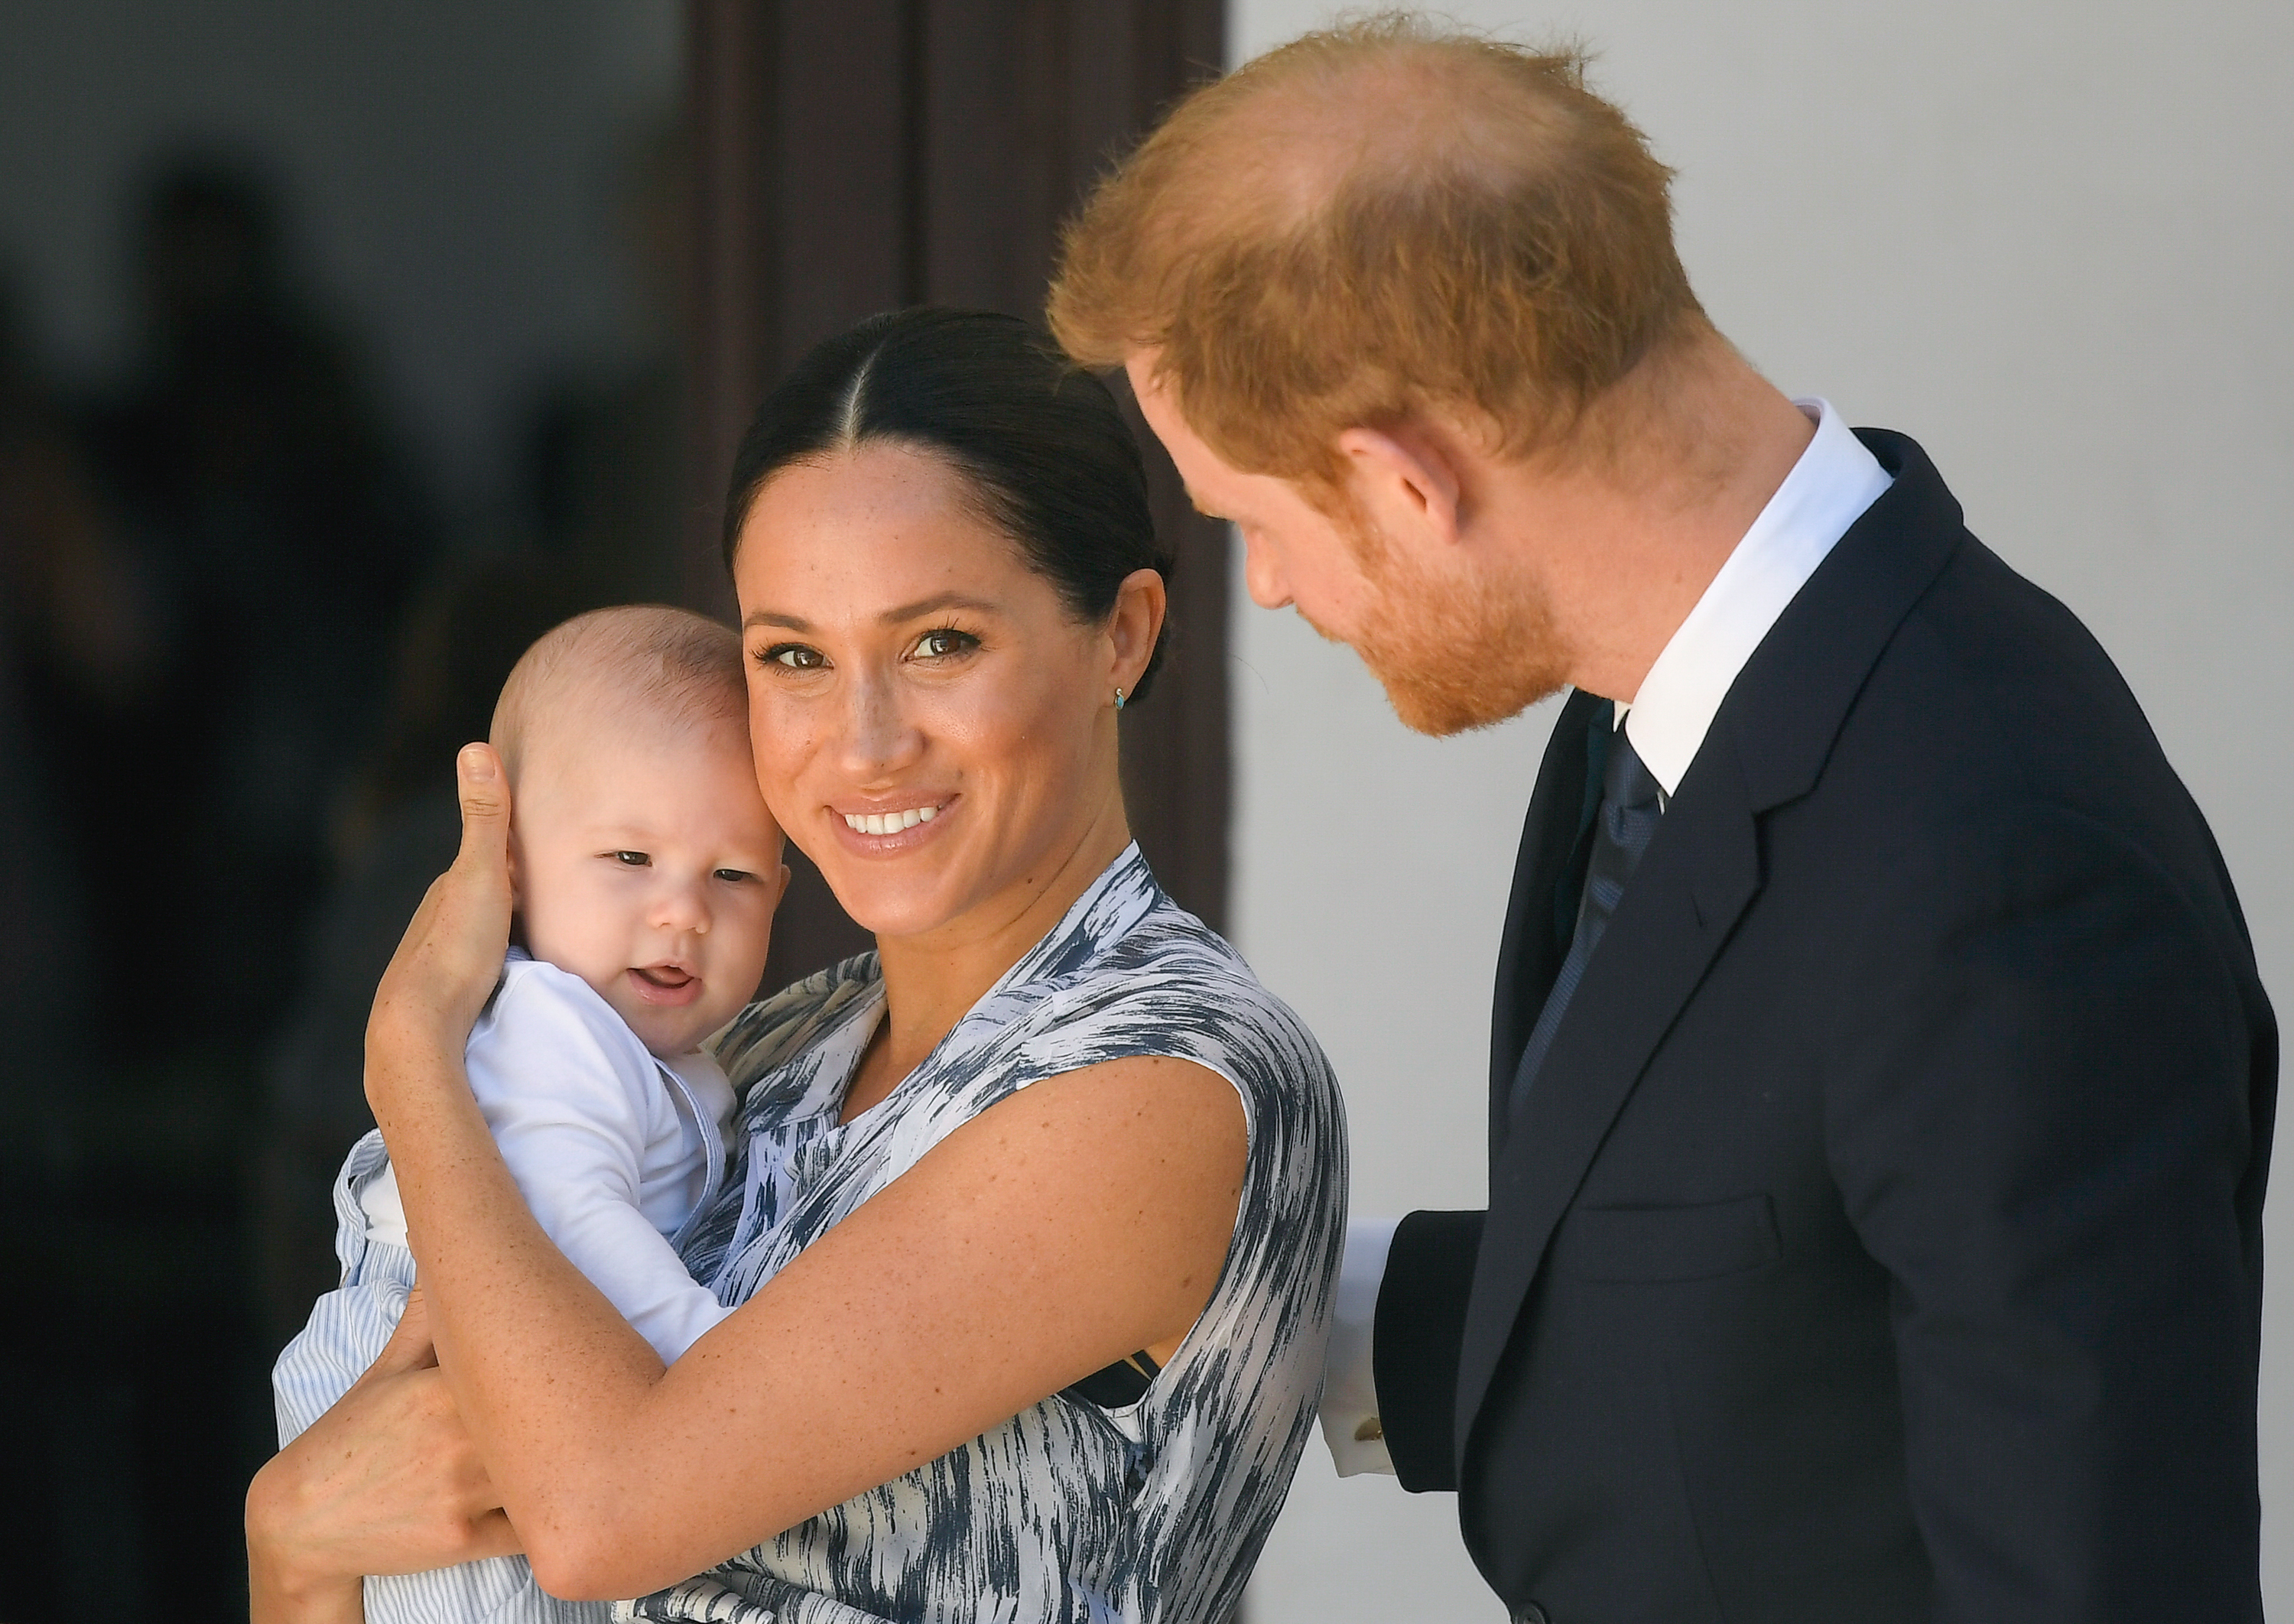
{"x":2048,"y":1119}
{"x":1421,"y":1319}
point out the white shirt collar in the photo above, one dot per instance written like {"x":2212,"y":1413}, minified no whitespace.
{"x":1828,"y":489}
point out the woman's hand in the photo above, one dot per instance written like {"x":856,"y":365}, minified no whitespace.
{"x":386,"y":1481}
{"x":451,"y":956}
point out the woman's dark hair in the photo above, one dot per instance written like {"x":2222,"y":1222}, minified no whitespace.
{"x":1048,"y":457}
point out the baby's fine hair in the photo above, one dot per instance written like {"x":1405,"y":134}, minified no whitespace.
{"x":641,"y":663}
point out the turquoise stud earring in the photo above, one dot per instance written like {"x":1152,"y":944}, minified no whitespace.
{"x":1119,"y":699}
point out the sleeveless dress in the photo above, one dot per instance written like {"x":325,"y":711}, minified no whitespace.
{"x":1149,"y":1514}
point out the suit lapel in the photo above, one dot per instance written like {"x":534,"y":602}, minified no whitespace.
{"x":1703,"y":869}
{"x":1528,"y":954}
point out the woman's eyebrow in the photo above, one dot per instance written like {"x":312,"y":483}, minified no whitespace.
{"x":890,"y":617}
{"x":934,"y":605}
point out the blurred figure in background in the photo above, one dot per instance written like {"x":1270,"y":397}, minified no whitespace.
{"x":237,"y":654}
{"x":203,"y":579}
{"x":251,"y":455}
{"x":57,"y":570}
{"x":71,"y":638}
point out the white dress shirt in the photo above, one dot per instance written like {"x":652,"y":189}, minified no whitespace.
{"x":1827,"y":491}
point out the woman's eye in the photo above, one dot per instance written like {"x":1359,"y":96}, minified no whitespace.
{"x":941,"y":642}
{"x":793,"y":656}
{"x":632,"y":859}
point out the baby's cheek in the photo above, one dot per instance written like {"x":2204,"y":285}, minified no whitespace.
{"x":747,"y":963}
{"x":586,"y":941}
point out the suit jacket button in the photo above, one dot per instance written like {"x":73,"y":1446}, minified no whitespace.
{"x":1530,"y":1612}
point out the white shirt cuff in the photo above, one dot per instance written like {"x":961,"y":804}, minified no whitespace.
{"x":1350,"y":1419}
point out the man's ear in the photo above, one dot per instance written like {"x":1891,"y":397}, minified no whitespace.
{"x":1407,"y":479}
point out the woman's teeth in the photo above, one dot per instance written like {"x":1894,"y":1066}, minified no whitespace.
{"x":888,"y":822}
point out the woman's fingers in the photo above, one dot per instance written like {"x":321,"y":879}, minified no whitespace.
{"x":386,"y":1481}
{"x":409,"y":1347}
{"x":451,"y":955}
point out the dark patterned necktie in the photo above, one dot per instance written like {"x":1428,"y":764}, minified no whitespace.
{"x":1628,"y":816}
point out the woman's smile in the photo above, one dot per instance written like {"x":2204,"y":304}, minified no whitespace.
{"x":891,"y":830}
{"x":888,"y":821}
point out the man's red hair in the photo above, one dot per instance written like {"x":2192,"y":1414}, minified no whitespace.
{"x":1376,"y":222}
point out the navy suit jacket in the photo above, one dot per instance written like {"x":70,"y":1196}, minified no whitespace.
{"x":1881,"y":1239}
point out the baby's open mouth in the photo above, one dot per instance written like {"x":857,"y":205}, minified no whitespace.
{"x":665,"y":983}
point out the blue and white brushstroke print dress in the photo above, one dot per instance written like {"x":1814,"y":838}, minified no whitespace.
{"x":1151,"y":1514}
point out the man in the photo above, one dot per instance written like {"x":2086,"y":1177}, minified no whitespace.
{"x":1881,"y":1088}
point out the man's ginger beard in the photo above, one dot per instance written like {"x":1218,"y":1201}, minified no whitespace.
{"x":1451,"y":655}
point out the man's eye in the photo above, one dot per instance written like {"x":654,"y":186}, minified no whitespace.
{"x":943,"y":641}
{"x":632,"y":859}
{"x":733,"y":876}
{"x":794,"y":656}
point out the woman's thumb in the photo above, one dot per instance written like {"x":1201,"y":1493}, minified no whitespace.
{"x":484,"y":795}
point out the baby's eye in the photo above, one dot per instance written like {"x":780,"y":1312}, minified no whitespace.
{"x":733,"y":876}
{"x":942,"y":641}
{"x":632,"y":859}
{"x":793,"y":656}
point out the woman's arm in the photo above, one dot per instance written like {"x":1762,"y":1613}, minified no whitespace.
{"x":1083,"y":1218}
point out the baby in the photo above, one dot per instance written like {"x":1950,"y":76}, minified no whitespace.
{"x":645,"y":871}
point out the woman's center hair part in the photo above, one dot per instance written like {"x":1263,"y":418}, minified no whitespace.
{"x":1039,"y":444}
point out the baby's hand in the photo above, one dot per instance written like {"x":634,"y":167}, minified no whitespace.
{"x":451,"y":955}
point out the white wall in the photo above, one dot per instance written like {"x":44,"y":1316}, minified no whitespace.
{"x":2054,"y":242}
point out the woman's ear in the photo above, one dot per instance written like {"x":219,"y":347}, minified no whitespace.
{"x":1141,"y":602}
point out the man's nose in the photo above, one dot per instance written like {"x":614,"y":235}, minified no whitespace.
{"x":1263,"y":574}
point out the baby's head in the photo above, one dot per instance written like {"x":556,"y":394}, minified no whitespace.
{"x":643,"y":857}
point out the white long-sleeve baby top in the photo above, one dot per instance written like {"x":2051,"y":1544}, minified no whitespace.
{"x":613,"y":1146}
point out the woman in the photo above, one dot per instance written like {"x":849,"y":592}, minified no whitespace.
{"x":1037,"y":1213}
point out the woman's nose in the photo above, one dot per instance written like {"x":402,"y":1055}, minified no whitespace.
{"x":878,"y":737}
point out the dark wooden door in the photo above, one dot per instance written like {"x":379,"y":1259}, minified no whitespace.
{"x":858,"y":155}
